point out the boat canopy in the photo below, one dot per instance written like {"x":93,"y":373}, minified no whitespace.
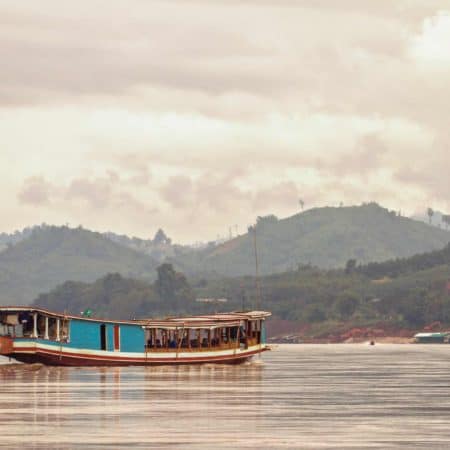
{"x":202,"y":321}
{"x":212,"y":321}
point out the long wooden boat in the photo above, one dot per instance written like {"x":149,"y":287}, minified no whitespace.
{"x":36,"y":335}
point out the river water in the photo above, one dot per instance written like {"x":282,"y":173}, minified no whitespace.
{"x":297,"y":396}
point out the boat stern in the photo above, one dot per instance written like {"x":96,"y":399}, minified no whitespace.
{"x":6,"y":346}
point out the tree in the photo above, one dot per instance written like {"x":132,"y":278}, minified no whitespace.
{"x":412,"y":307}
{"x":446,"y":220}
{"x":270,"y":219}
{"x":161,"y":238}
{"x":166,"y":283}
{"x":301,"y":203}
{"x":430,"y":213}
{"x":350,"y":266}
{"x":172,"y":287}
{"x":315,"y":313}
{"x":346,"y":304}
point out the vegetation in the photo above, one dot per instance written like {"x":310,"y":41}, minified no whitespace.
{"x":411,"y":293}
{"x":114,"y":296}
{"x":52,"y":255}
{"x":8,"y":240}
{"x":159,"y":248}
{"x":404,"y":290}
{"x":324,"y":237}
{"x":404,"y":266}
{"x":310,"y":296}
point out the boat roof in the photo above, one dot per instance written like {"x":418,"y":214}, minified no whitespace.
{"x":201,"y":321}
{"x":208,"y":321}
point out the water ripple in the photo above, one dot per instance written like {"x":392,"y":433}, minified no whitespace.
{"x":298,"y":396}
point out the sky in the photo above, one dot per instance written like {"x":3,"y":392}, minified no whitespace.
{"x":200,"y":115}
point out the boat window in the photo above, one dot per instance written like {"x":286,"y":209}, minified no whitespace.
{"x":8,"y":322}
{"x":64,"y":330}
{"x":40,"y":326}
{"x":29,"y":324}
{"x":12,"y":324}
{"x":26,"y":319}
{"x":103,"y":336}
{"x":196,"y":339}
{"x":52,"y":328}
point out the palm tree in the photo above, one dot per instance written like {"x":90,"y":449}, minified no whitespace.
{"x":430,"y":213}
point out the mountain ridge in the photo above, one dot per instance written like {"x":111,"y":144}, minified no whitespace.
{"x":53,"y":255}
{"x":323,"y":237}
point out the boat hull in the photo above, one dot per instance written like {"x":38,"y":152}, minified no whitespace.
{"x":63,"y":357}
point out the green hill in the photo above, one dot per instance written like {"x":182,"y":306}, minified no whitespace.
{"x":52,"y":255}
{"x":323,"y":237}
{"x":411,"y":293}
{"x":115,"y":296}
{"x":111,"y":296}
{"x":408,"y":292}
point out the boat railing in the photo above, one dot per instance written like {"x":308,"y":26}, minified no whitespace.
{"x":233,"y":344}
{"x":217,"y":347}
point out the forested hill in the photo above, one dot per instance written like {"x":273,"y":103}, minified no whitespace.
{"x":404,"y":266}
{"x":323,"y":237}
{"x":115,"y":296}
{"x":412,"y":293}
{"x":52,"y":255}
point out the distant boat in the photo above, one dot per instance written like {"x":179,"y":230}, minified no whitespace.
{"x":432,"y":338}
{"x":34,"y":335}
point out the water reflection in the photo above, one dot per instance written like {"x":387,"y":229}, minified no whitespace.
{"x":329,"y":396}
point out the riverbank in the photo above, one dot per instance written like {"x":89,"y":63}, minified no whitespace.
{"x":309,"y":340}
{"x":284,"y":332}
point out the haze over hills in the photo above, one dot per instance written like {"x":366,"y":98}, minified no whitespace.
{"x":323,"y":237}
{"x":52,"y":255}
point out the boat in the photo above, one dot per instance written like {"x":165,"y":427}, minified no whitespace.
{"x":432,"y":338}
{"x":35,"y":335}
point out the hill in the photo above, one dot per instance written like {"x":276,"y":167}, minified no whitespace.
{"x":52,"y":255}
{"x":115,"y":296}
{"x":8,"y":240}
{"x":404,"y":293}
{"x":323,"y":237}
{"x":437,"y":219}
{"x":158,"y":248}
{"x":412,"y":292}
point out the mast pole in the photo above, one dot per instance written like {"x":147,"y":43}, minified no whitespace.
{"x":258,"y":284}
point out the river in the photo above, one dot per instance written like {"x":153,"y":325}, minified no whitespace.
{"x":297,"y":396}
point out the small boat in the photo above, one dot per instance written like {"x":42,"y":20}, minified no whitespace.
{"x":34,"y":335}
{"x":432,"y":338}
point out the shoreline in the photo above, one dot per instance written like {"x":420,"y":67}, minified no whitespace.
{"x":380,"y":340}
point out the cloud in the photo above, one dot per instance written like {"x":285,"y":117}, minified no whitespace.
{"x":178,"y":191}
{"x":192,"y":114}
{"x":97,"y":192}
{"x":35,"y":191}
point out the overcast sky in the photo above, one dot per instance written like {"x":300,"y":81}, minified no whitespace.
{"x":195,"y":116}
